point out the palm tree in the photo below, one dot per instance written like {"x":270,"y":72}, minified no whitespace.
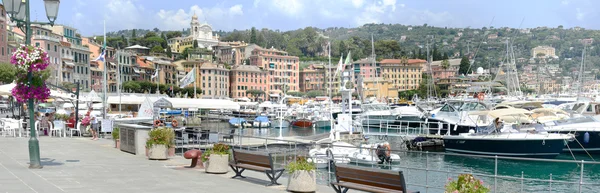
{"x":445,"y":64}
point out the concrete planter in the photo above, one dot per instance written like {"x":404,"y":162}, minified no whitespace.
{"x":118,"y":143}
{"x":158,"y":152}
{"x":302,"y":181}
{"x":217,"y":164}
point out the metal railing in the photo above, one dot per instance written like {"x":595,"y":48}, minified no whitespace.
{"x":427,"y":174}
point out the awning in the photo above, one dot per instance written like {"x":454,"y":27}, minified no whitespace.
{"x":69,"y":63}
{"x":111,"y":63}
{"x":136,"y":70}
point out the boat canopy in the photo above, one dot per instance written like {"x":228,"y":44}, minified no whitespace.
{"x":179,"y":103}
{"x":183,"y":103}
{"x":171,"y":112}
{"x":236,"y":120}
{"x":261,"y":119}
{"x":502,"y":112}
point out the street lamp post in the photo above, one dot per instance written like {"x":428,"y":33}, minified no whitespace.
{"x":20,"y":13}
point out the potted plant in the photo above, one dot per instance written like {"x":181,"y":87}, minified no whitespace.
{"x":216,"y":159}
{"x":115,"y":135}
{"x":466,"y":183}
{"x":171,"y":145}
{"x":303,"y":176}
{"x":158,"y":142}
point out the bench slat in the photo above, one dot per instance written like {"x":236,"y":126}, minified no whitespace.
{"x":368,"y":177}
{"x":366,"y":188}
{"x":252,"y":167}
{"x":253,"y":159}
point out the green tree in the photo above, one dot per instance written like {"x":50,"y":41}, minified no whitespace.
{"x":464,"y":67}
{"x":173,"y":34}
{"x":157,"y":49}
{"x":253,"y":35}
{"x":255,"y":93}
{"x":150,"y":34}
{"x":315,"y":93}
{"x":169,"y":53}
{"x":195,"y":44}
{"x":7,"y":73}
{"x":133,"y":34}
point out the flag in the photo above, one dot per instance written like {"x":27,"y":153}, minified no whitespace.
{"x":155,"y":74}
{"x":339,"y":67}
{"x":189,"y":78}
{"x":100,"y":57}
{"x":348,"y":60}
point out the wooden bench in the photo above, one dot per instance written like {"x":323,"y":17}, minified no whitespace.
{"x":367,"y":179}
{"x":243,"y":160}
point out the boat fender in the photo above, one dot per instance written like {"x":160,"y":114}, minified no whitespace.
{"x":544,"y":142}
{"x":586,"y":137}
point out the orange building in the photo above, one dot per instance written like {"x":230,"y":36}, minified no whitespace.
{"x":247,"y":77}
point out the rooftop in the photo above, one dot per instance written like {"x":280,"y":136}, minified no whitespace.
{"x":399,"y":61}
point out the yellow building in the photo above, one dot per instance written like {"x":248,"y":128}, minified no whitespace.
{"x":403,"y":74}
{"x":546,"y":50}
{"x":380,"y":88}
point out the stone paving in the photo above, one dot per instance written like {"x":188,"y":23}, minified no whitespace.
{"x":81,"y":165}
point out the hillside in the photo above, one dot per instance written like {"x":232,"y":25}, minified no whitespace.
{"x":396,"y":40}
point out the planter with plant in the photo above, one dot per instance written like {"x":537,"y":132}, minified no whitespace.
{"x":466,"y":183}
{"x":116,"y":137}
{"x":216,"y":159}
{"x":303,"y":176}
{"x":159,"y":140}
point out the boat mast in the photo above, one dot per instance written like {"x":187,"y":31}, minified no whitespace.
{"x":375,"y":64}
{"x":581,"y":67}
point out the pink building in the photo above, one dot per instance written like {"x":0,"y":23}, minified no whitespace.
{"x":50,"y":42}
{"x":283,"y":69}
{"x":364,"y":68}
{"x":439,"y":72}
{"x":248,"y":77}
{"x":313,"y":77}
{"x":5,"y":53}
{"x":96,"y":76}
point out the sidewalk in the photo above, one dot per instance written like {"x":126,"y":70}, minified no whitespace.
{"x":80,"y":165}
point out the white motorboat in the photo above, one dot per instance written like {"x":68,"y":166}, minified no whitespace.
{"x":408,"y":113}
{"x":376,"y":114}
{"x":368,"y":154}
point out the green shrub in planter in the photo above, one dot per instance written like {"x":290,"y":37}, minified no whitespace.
{"x":115,"y":133}
{"x":161,"y":136}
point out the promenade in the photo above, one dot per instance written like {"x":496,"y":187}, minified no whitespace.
{"x":80,"y":165}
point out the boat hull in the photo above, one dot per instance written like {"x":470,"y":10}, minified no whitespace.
{"x":434,"y":126}
{"x":592,"y":145}
{"x":378,"y":120}
{"x":277,"y":123}
{"x":261,"y":124}
{"x":302,"y":123}
{"x":533,"y":148}
{"x":324,"y":124}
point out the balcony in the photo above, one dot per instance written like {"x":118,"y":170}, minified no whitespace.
{"x":80,"y":47}
{"x":45,"y":37}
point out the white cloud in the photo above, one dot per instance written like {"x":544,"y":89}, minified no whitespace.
{"x":402,"y":5}
{"x":565,"y":2}
{"x":358,"y":3}
{"x":376,"y":12}
{"x":290,"y":8}
{"x":236,"y":10}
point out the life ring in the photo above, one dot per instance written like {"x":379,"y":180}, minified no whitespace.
{"x":174,"y":123}
{"x":158,"y":123}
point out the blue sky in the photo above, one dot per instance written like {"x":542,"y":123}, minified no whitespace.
{"x":87,"y":15}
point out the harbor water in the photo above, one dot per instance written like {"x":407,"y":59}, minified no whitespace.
{"x":430,"y":171}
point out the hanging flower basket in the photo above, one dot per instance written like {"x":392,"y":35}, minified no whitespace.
{"x":34,"y":60}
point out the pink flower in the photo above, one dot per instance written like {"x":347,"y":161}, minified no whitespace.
{"x":455,"y":191}
{"x":480,"y":182}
